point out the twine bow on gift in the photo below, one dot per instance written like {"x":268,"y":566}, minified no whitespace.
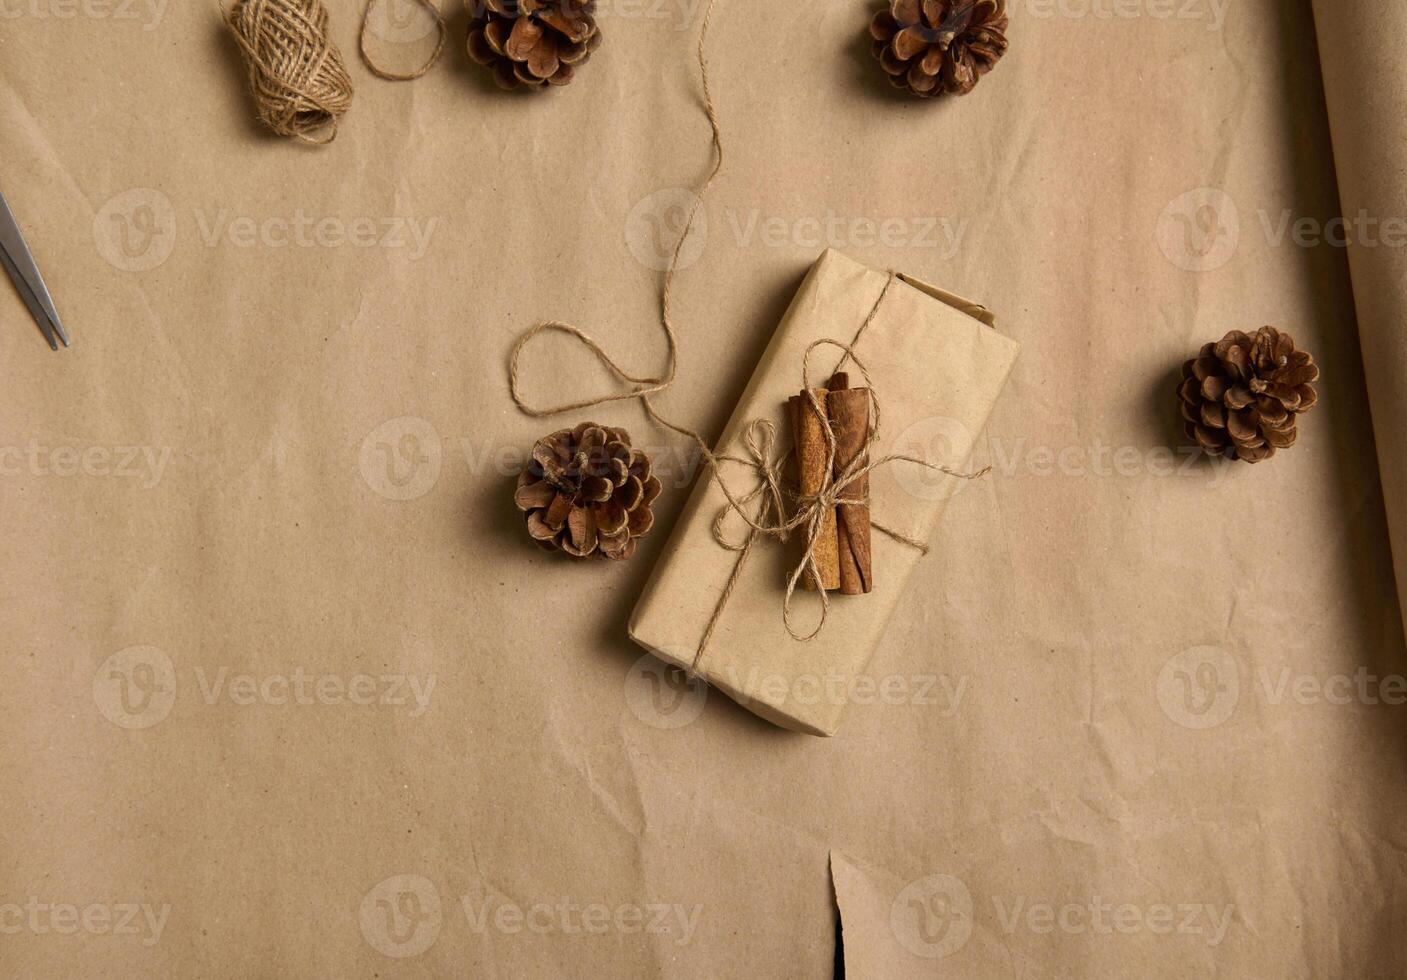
{"x":770,"y":517}
{"x":810,"y":511}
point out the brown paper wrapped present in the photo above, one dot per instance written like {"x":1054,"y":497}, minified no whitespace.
{"x":937,"y":365}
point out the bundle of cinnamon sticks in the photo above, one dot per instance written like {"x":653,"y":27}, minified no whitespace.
{"x":842,"y":553}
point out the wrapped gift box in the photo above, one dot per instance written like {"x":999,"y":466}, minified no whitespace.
{"x":937,"y":365}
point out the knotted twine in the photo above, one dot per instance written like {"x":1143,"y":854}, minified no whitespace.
{"x":770,"y":518}
{"x":300,"y":85}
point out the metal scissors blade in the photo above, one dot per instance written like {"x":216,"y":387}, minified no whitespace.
{"x":19,"y":263}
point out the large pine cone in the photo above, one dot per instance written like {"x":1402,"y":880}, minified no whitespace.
{"x":532,"y":43}
{"x":932,"y":47}
{"x":1240,"y":397}
{"x":586,"y":492}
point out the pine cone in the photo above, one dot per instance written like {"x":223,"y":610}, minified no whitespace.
{"x":1240,"y":397}
{"x":586,"y":492}
{"x":932,"y":47}
{"x":532,"y":43}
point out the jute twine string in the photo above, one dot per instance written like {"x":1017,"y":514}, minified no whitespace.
{"x":810,"y":510}
{"x":644,"y":386}
{"x":300,"y":85}
{"x":442,"y":32}
{"x":770,"y":516}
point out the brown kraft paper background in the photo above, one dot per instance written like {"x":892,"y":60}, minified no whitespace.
{"x":287,"y":691}
{"x":1362,"y":45}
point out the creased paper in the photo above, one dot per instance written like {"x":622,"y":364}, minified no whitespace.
{"x":1362,"y":50}
{"x":280,"y":458}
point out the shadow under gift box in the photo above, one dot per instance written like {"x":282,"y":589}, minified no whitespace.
{"x":937,"y":365}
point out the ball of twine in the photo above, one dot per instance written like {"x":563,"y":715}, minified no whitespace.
{"x":299,"y":81}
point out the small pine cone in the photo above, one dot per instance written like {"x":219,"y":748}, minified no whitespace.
{"x":532,"y":43}
{"x":587,"y":493}
{"x":933,"y":47}
{"x":1240,"y":397}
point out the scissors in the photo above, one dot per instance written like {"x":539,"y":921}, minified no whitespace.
{"x":14,"y":255}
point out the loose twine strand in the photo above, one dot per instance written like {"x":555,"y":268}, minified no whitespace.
{"x":442,"y":31}
{"x":769,"y":517}
{"x":296,"y":74}
{"x":644,"y":386}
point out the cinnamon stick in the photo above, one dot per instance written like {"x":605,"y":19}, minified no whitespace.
{"x":849,"y":412}
{"x":809,"y":434}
